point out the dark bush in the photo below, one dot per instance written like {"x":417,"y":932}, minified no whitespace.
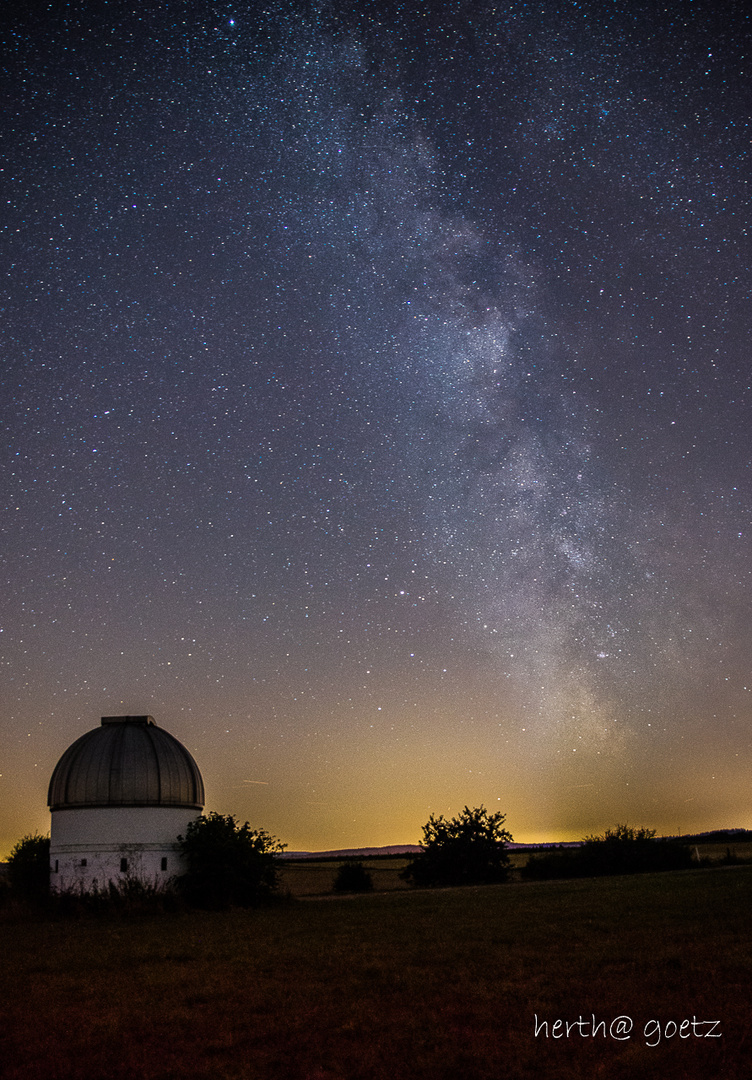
{"x":126,"y":898}
{"x":29,"y":869}
{"x":625,"y":850}
{"x":553,"y":864}
{"x":227,"y":864}
{"x":622,"y":850}
{"x":353,"y":877}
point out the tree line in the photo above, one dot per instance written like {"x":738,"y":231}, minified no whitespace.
{"x":232,"y":865}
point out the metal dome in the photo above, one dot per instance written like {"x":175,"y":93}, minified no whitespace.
{"x":128,"y":761}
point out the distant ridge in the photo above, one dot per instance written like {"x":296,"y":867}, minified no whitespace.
{"x":353,"y":853}
{"x":715,"y":835}
{"x":413,"y":849}
{"x":404,"y":849}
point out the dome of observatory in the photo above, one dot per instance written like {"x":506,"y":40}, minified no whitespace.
{"x":128,"y":761}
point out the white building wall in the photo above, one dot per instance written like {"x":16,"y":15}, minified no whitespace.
{"x":93,"y":846}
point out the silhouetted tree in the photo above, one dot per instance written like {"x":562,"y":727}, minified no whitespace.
{"x":470,"y":849}
{"x":353,"y":877}
{"x":29,"y":868}
{"x":227,"y":863}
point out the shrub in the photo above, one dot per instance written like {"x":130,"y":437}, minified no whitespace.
{"x":626,"y":850}
{"x":353,"y":877}
{"x":227,"y":863}
{"x":29,"y":868}
{"x":127,"y":897}
{"x":553,"y":864}
{"x":468,"y":850}
{"x":621,"y":850}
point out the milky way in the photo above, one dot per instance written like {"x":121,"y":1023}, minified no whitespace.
{"x":376,"y":396}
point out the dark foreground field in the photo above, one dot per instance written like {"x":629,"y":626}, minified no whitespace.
{"x":428,"y":985}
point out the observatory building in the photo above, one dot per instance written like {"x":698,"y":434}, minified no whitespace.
{"x":120,"y":796}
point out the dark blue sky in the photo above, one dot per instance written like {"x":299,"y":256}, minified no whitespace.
{"x":376,"y":407}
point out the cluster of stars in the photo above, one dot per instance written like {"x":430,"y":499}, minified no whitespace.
{"x":371,"y":371}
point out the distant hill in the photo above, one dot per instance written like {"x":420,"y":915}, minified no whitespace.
{"x":354,"y":853}
{"x":716,"y":836}
{"x":402,"y":849}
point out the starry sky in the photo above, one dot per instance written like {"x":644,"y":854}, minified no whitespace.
{"x":376,"y":407}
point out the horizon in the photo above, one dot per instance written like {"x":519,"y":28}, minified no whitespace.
{"x":408,"y":847}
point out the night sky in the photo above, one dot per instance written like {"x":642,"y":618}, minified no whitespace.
{"x":376,"y":395}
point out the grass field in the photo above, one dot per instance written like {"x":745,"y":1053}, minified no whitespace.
{"x":314,"y":877}
{"x":430,"y":985}
{"x":717,"y":851}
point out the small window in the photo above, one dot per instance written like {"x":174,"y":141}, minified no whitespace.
{"x":123,"y":866}
{"x":83,"y":862}
{"x":56,"y":863}
{"x":164,"y":864}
